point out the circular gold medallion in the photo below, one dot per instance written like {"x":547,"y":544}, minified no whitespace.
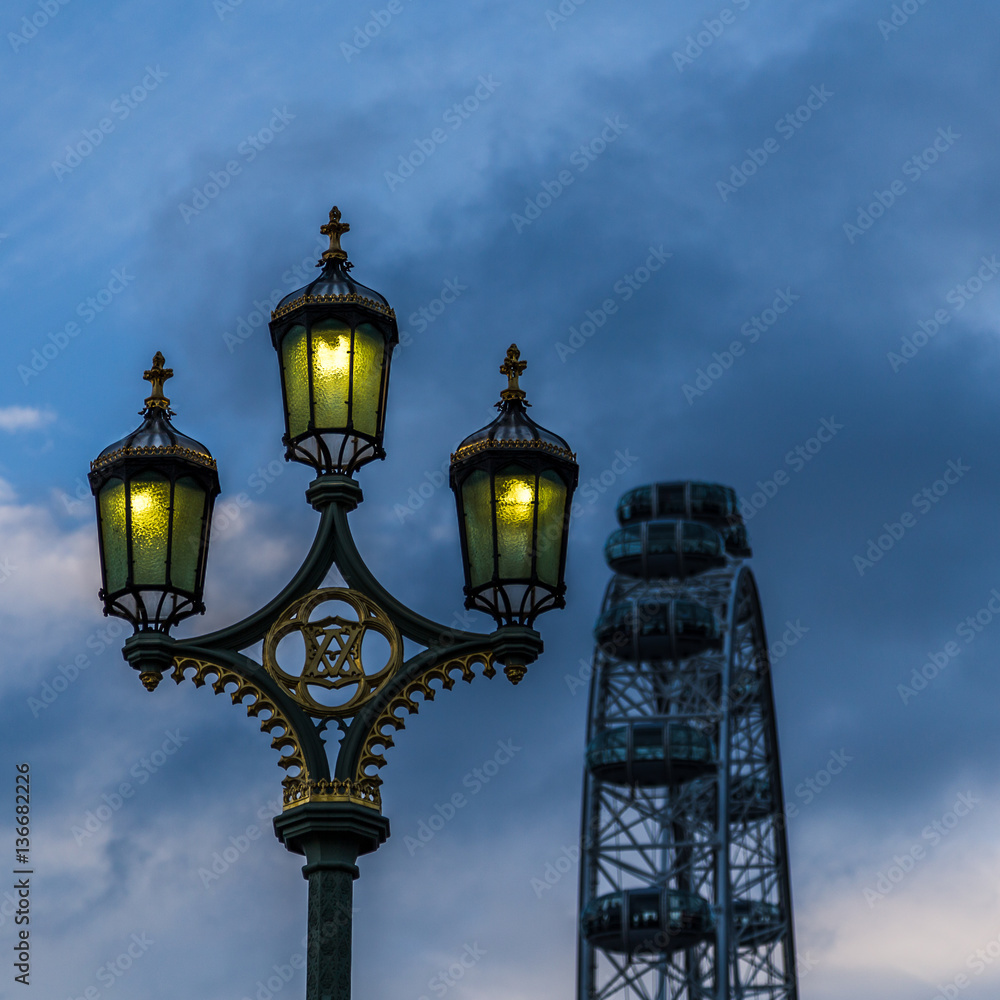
{"x":333,"y":681}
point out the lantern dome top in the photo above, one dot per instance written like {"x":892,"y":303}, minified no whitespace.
{"x":334,"y":284}
{"x":513,"y":428}
{"x":156,"y":435}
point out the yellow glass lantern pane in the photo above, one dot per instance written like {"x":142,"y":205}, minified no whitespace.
{"x":551,"y":514}
{"x":477,"y":501}
{"x":150,"y":504}
{"x":112,"y":499}
{"x":369,"y":349}
{"x":189,"y":512}
{"x":515,"y":493}
{"x":295,"y":372}
{"x":331,"y":364}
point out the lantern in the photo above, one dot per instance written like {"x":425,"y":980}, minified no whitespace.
{"x":155,"y":490}
{"x":334,"y":339}
{"x":514,"y":483}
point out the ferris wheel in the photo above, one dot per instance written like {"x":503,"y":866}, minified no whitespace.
{"x":684,"y":888}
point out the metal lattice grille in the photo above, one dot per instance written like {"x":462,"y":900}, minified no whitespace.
{"x":714,"y":834}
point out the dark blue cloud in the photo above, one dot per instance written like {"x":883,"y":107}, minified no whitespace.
{"x":591,"y":151}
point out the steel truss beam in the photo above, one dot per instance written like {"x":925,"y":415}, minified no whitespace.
{"x":721,"y":837}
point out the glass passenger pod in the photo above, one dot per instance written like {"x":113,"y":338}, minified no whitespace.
{"x":750,"y":798}
{"x":649,"y":920}
{"x":756,"y":922}
{"x":709,"y":503}
{"x":657,"y":630}
{"x":651,"y":752}
{"x":664,"y":549}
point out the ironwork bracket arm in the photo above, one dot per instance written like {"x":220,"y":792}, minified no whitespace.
{"x":154,"y":653}
{"x":512,"y":645}
{"x":359,"y":577}
{"x":309,"y":576}
{"x":334,"y":496}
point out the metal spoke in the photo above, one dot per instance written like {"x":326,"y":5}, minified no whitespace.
{"x":686,"y":835}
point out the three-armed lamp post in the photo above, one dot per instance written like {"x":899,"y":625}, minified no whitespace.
{"x":155,"y":490}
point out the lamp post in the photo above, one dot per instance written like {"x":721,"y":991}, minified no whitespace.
{"x":155,"y":489}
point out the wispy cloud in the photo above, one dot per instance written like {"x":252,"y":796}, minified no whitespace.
{"x":24,"y":418}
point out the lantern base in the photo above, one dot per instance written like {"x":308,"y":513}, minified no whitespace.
{"x":516,"y":647}
{"x":515,"y":603}
{"x":334,"y":452}
{"x":334,"y":488}
{"x":150,"y":679}
{"x":515,"y":672}
{"x":151,"y":653}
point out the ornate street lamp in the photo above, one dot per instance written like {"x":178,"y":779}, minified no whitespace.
{"x":334,"y":339}
{"x":155,"y":490}
{"x":333,"y":654}
{"x":514,"y":483}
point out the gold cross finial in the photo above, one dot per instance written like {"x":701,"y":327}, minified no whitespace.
{"x":156,"y":376}
{"x":513,"y":367}
{"x":334,"y":229}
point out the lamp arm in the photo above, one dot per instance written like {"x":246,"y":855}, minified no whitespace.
{"x":306,"y":738}
{"x":360,"y":577}
{"x":334,"y":496}
{"x":510,"y":644}
{"x":309,"y":576}
{"x":254,"y":688}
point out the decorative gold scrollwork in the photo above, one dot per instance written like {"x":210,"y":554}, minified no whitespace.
{"x":333,"y":651}
{"x":390,"y":719}
{"x":273,"y":719}
{"x":363,"y":793}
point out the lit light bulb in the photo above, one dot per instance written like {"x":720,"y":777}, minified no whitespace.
{"x":332,"y":361}
{"x":516,"y":500}
{"x":142,"y":502}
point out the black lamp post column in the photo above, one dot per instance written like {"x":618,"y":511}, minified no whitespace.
{"x":331,"y":835}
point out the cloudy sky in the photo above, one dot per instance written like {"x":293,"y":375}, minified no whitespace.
{"x":755,"y":244}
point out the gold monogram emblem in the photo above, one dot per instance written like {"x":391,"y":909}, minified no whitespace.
{"x":333,"y":681}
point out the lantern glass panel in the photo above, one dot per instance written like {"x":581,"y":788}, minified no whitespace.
{"x":331,"y":363}
{"x":114,"y":533}
{"x":150,"y":508}
{"x":477,"y":501}
{"x":515,"y":506}
{"x":551,"y":514}
{"x":189,"y":515}
{"x":369,"y":348}
{"x":295,"y":371}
